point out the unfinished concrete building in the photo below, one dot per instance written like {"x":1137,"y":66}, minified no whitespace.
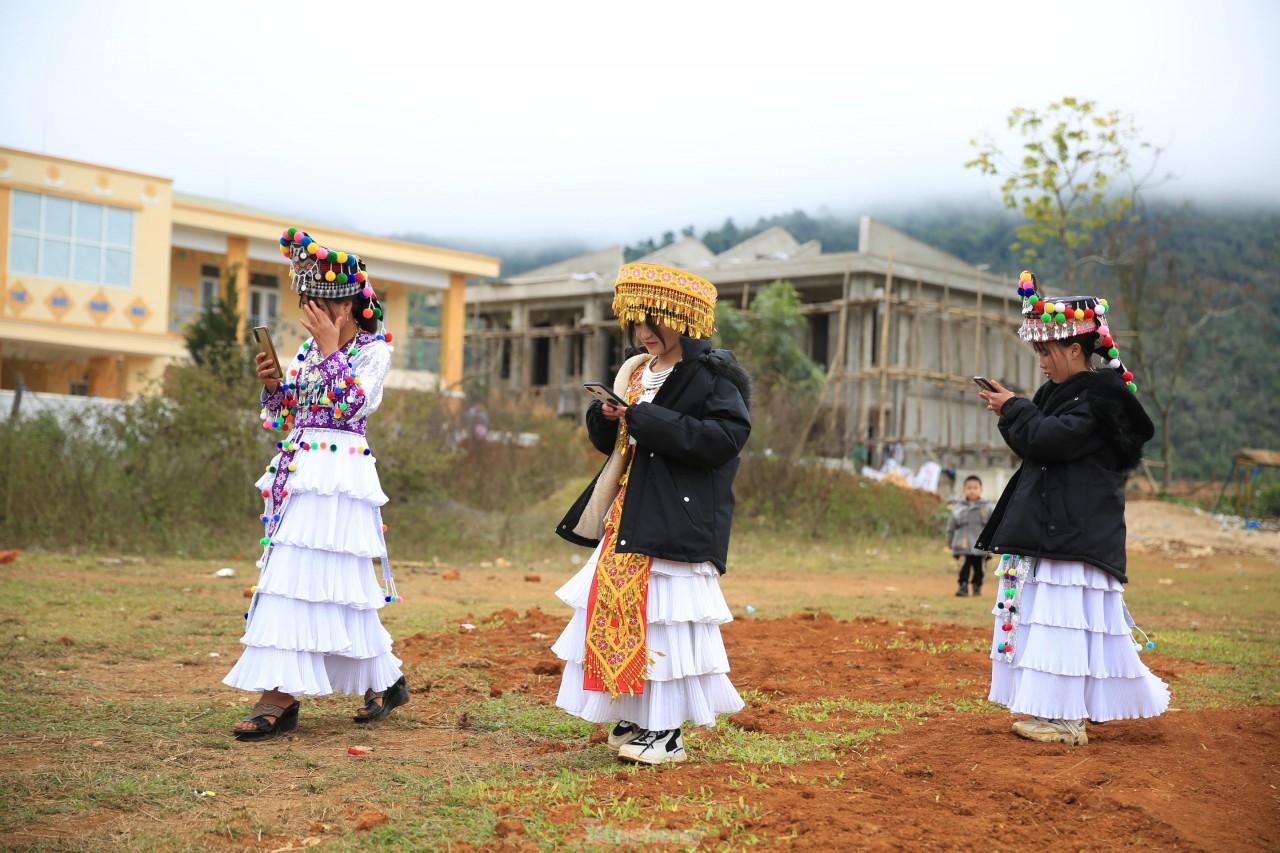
{"x":899,"y":326}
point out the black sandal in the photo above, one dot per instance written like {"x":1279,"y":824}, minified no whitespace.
{"x":286,"y":721}
{"x":393,"y":697}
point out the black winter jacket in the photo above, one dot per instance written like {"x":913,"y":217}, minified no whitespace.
{"x":680,"y":497}
{"x":1077,"y":441}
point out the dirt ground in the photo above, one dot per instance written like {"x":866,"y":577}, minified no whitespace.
{"x":1203,"y":780}
{"x":949,"y":777}
{"x":1158,"y":527}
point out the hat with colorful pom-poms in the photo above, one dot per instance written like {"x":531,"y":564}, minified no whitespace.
{"x":320,"y":271}
{"x":1045,"y":319}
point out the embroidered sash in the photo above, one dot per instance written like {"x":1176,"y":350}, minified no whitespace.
{"x":616,"y":659}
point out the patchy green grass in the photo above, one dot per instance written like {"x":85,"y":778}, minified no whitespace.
{"x":518,"y":716}
{"x":736,"y":746}
{"x":114,"y":715}
{"x":1243,"y":672}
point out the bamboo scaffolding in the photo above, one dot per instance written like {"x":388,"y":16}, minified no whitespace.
{"x":837,"y":368}
{"x":914,"y":366}
{"x":915,"y":360}
{"x":884,"y":356}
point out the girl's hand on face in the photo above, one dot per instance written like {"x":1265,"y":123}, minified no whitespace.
{"x":322,"y":327}
{"x":995,"y":400}
{"x":266,"y":372}
{"x":613,"y":412}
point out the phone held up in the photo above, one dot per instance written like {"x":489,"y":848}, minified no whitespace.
{"x":262,"y":335}
{"x":604,"y":394}
{"x":986,"y":384}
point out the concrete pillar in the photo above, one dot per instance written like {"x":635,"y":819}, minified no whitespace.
{"x":4,"y":250}
{"x":104,"y":376}
{"x":592,"y":345}
{"x":142,"y":375}
{"x":238,"y":266}
{"x":452,"y":328}
{"x":521,"y":348}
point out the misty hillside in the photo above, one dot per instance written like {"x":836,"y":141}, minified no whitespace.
{"x":1231,"y":396}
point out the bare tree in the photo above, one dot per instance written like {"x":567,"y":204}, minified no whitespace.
{"x":1167,"y":309}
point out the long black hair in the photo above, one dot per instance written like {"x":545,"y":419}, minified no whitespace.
{"x":1090,"y":343}
{"x":633,"y":347}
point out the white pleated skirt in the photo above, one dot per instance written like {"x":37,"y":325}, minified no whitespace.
{"x":688,"y":681}
{"x":313,"y":625}
{"x":1074,"y":655}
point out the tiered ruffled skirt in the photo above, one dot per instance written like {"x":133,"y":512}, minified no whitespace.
{"x":1074,"y":656}
{"x":688,"y":681}
{"x":313,"y":625}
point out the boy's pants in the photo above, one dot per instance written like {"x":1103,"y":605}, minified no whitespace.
{"x":974,"y":563}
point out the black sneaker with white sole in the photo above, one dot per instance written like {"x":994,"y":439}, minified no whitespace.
{"x":624,"y":732}
{"x":663,"y":747}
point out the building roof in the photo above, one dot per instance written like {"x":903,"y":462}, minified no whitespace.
{"x":84,"y":163}
{"x":774,"y":244}
{"x":770,"y":255}
{"x":601,"y":264}
{"x":689,"y":254}
{"x":1255,"y":456}
{"x":201,"y":213}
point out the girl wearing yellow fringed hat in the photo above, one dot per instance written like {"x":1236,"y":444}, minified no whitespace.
{"x":643,"y":650}
{"x":1063,"y":649}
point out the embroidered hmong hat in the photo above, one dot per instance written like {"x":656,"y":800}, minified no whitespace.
{"x":1045,"y":319}
{"x":678,"y":299}
{"x":320,"y":271}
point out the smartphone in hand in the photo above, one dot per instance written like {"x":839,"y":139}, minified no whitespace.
{"x":604,"y":394}
{"x":262,"y":335}
{"x":986,"y":384}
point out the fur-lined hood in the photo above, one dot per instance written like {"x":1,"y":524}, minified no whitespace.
{"x":1117,"y":409}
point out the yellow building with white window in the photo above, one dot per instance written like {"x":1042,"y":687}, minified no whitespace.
{"x":101,"y":269}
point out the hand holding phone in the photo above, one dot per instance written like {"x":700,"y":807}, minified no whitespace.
{"x":994,"y":396}
{"x":262,"y":335}
{"x":604,"y":394}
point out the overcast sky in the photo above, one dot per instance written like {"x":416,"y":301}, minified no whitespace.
{"x":611,"y":122}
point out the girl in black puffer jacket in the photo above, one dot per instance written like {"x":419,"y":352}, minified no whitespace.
{"x":1063,"y":648}
{"x":643,"y":650}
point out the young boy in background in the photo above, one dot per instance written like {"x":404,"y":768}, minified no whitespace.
{"x":963,"y":527}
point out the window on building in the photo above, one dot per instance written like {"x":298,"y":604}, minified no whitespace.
{"x":423,"y":312}
{"x":69,"y":239}
{"x":184,"y":307}
{"x":264,"y":299}
{"x":210,"y":281}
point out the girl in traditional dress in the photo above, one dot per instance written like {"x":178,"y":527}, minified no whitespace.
{"x":313,"y":624}
{"x":643,"y":649}
{"x":1063,"y":649}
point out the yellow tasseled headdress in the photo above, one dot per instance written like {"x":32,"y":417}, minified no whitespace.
{"x":678,"y":299}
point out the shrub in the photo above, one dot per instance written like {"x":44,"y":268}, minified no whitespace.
{"x":1267,"y":502}
{"x":813,"y":501}
{"x":164,"y":473}
{"x":174,"y":474}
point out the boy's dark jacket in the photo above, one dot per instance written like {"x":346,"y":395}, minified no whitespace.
{"x":680,"y":498}
{"x":1077,"y":441}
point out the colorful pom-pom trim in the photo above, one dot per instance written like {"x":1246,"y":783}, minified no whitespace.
{"x":1045,"y":320}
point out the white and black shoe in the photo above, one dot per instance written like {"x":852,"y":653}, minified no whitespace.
{"x":623,"y":733}
{"x":664,"y":747}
